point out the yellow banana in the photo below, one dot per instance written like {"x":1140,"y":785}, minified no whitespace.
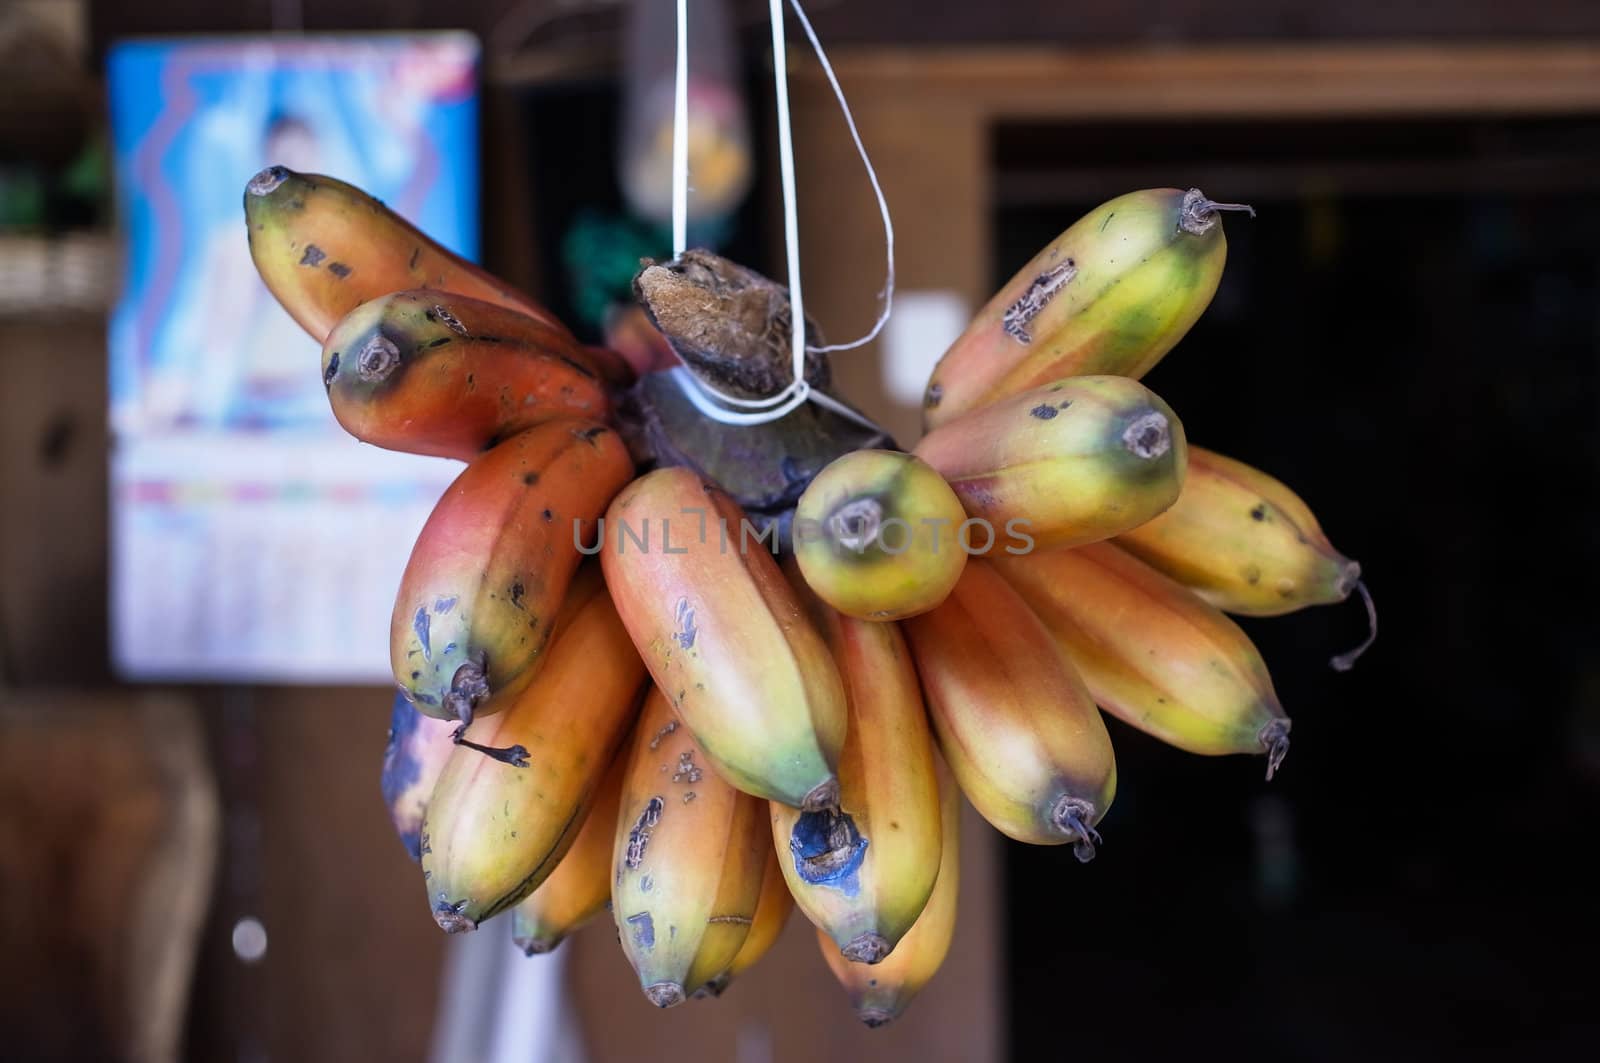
{"x":1072,"y":462}
{"x":863,"y":871}
{"x":324,"y":247}
{"x":772,"y":915}
{"x":580,"y":885}
{"x":1243,"y":541}
{"x":495,"y":830}
{"x":1015,"y":723}
{"x":725,"y":637}
{"x":1154,"y":654}
{"x":687,"y":861}
{"x":1112,"y":294}
{"x":876,"y":535}
{"x":881,"y":992}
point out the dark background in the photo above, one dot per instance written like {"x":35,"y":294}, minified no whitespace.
{"x":1409,"y":340}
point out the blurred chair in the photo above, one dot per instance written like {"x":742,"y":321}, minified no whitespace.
{"x":108,"y":847}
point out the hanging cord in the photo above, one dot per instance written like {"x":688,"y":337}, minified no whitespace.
{"x":709,"y":400}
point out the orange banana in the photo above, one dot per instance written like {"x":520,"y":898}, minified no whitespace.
{"x":687,"y":861}
{"x":580,"y":885}
{"x":1069,"y":463}
{"x":1019,"y":730}
{"x":881,"y":992}
{"x":325,"y":247}
{"x":1154,"y":654}
{"x":414,"y":756}
{"x":772,"y":915}
{"x":428,"y":372}
{"x":494,"y":831}
{"x":863,"y":871}
{"x":725,"y":637}
{"x":493,"y":562}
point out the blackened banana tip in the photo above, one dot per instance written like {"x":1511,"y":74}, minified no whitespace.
{"x":267,"y":181}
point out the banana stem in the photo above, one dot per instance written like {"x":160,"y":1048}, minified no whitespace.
{"x":1199,"y":214}
{"x":516,"y":756}
{"x":1071,"y":817}
{"x":1275,"y":741}
{"x":1345,"y":661}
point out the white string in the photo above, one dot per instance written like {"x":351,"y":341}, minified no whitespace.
{"x":872,"y":175}
{"x":680,"y":138}
{"x":798,"y":390}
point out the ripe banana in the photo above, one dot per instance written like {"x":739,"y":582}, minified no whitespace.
{"x":725,"y":637}
{"x":863,"y":871}
{"x":1014,"y":721}
{"x":875,"y":534}
{"x":687,"y":861}
{"x":414,"y":756}
{"x":1072,"y":462}
{"x":881,"y":993}
{"x":772,"y":915}
{"x":494,"y":831}
{"x":580,"y":885}
{"x":1110,"y":295}
{"x":325,"y":247}
{"x":493,"y":562}
{"x":1243,"y":541}
{"x":433,"y":373}
{"x":1154,"y":654}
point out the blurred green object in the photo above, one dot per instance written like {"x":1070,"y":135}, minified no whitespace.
{"x":22,"y":198}
{"x":35,"y":198}
{"x":601,"y":254}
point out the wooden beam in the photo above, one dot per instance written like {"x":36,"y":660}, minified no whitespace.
{"x":1235,"y":82}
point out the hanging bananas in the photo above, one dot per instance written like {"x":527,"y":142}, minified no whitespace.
{"x":981,"y":593}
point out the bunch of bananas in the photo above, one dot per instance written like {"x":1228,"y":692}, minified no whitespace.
{"x":701,"y":731}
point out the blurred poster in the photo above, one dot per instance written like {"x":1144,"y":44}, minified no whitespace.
{"x":252,"y":540}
